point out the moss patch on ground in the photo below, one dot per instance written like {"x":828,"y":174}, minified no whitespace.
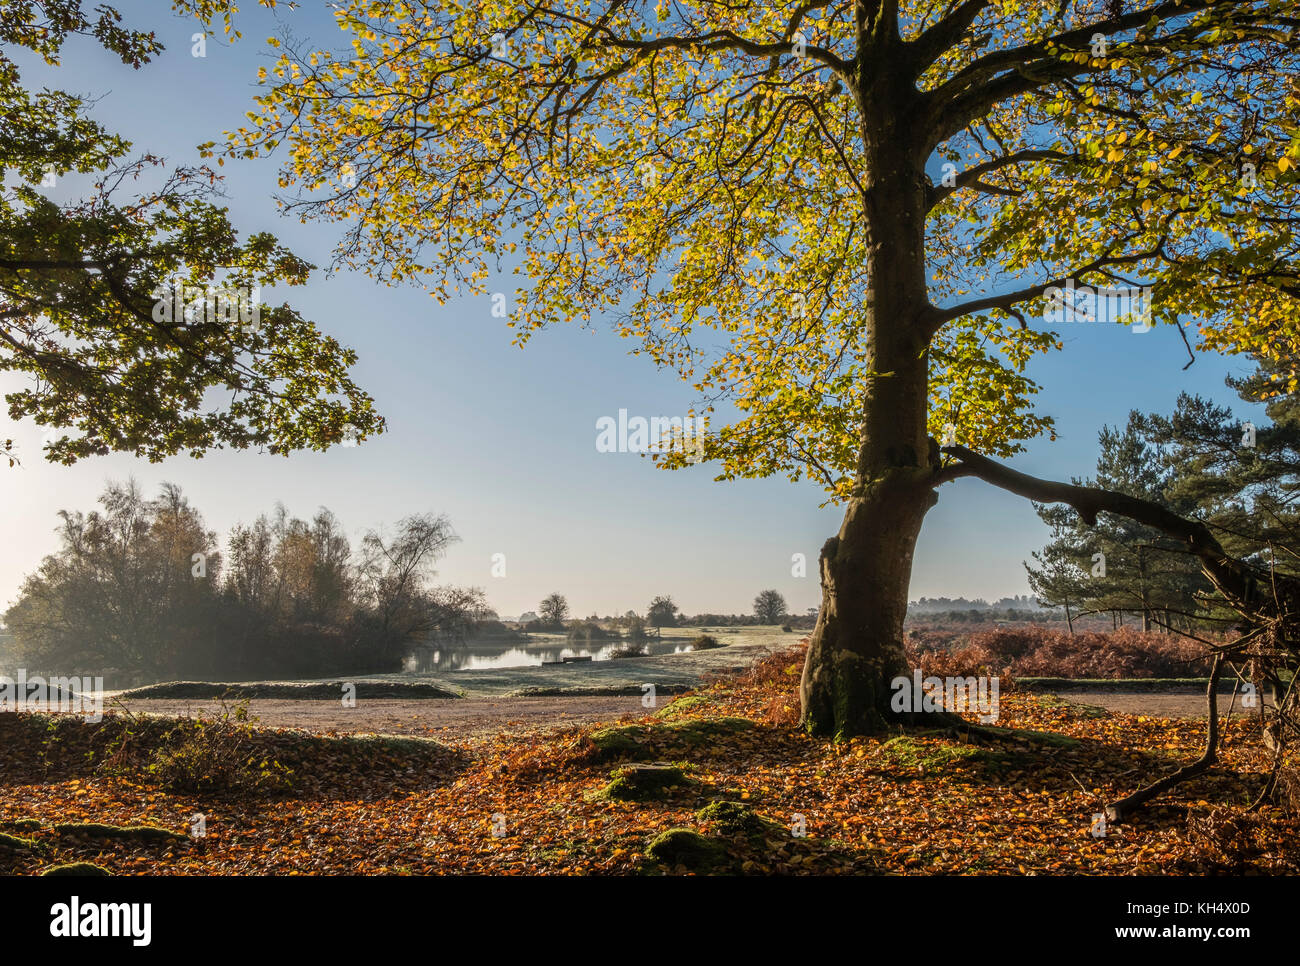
{"x":689,"y":704}
{"x":76,"y":868}
{"x":907,"y":751}
{"x":736,"y":819}
{"x":643,"y":742}
{"x":1073,"y":707}
{"x":637,"y":783}
{"x":144,"y":833}
{"x":17,"y":843}
{"x":687,"y":848}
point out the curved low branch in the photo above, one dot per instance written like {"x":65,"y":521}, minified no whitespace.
{"x":1233,"y":579}
{"x":1265,"y":604}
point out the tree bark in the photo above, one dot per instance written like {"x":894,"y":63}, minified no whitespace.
{"x":857,"y":646}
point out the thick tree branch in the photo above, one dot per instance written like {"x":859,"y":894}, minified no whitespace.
{"x":972,"y":177}
{"x":1232,"y":578}
{"x":936,"y":41}
{"x":1006,"y":300}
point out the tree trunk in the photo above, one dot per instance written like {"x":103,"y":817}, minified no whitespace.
{"x":857,"y":646}
{"x":1069,"y":621}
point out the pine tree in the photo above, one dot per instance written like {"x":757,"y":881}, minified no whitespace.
{"x":1242,"y":478}
{"x":1119,"y":565}
{"x":1060,"y":581}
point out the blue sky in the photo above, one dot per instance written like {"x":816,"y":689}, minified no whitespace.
{"x":502,"y":439}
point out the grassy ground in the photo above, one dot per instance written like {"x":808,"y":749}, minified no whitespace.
{"x":742,"y":790}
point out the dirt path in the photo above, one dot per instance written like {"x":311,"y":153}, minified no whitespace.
{"x":1190,"y":705}
{"x":449,"y":720}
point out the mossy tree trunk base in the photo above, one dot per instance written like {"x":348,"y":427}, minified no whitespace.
{"x":856,"y":653}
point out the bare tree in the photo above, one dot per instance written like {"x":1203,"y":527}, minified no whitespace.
{"x":553,"y":610}
{"x":770,"y":607}
{"x":394,"y":571}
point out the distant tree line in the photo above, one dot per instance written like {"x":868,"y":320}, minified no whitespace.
{"x":769,"y":608}
{"x":937,"y":605}
{"x":1039,"y":615}
{"x":141,"y":586}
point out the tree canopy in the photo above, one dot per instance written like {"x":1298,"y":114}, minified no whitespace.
{"x":136,"y":309}
{"x":769,"y":607}
{"x":855,"y":222}
{"x":706,"y":175}
{"x":140,"y":586}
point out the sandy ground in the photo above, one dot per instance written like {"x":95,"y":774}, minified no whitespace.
{"x":1155,"y":705}
{"x":445,"y":719}
{"x":473,"y":719}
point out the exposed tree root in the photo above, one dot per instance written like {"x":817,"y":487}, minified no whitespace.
{"x":1118,"y":811}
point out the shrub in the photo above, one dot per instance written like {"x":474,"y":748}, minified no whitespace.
{"x":544,"y":627}
{"x":212,"y":754}
{"x":1041,"y":652}
{"x":490,"y":629}
{"x":588,"y":632}
{"x":778,"y":675}
{"x":628,"y":650}
{"x":705,"y":642}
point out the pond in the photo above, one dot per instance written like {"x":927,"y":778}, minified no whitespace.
{"x":479,"y":656}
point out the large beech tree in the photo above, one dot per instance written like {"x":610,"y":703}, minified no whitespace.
{"x":844,"y":218}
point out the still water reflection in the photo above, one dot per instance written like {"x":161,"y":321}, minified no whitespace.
{"x":481,"y":656}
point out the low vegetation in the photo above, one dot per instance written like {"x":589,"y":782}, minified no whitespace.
{"x":1035,"y":651}
{"x":718,"y":781}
